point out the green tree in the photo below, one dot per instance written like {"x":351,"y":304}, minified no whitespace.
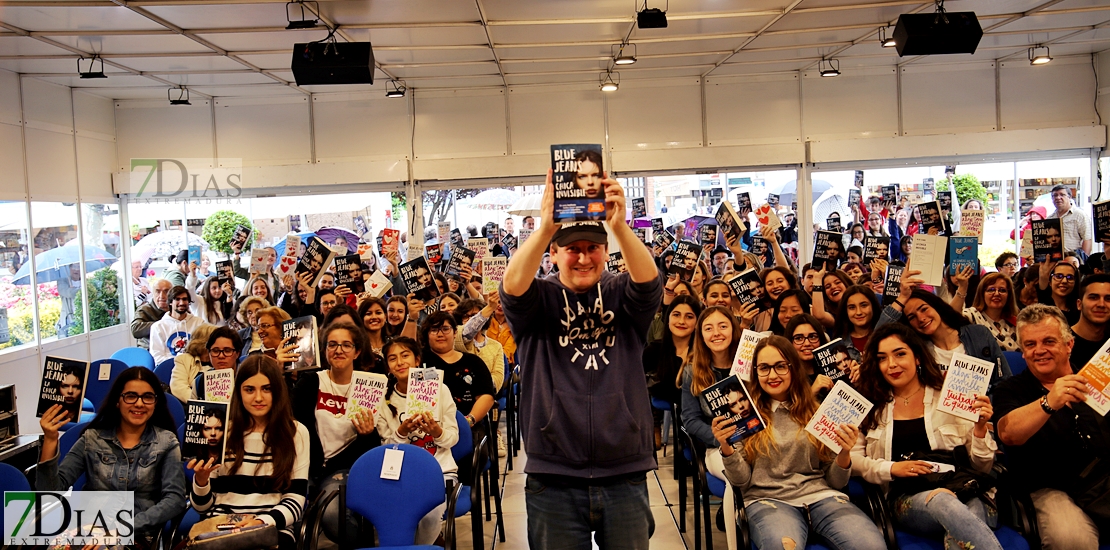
{"x":103,"y":292}
{"x":219,"y":228}
{"x":397,"y":199}
{"x":967,"y":188}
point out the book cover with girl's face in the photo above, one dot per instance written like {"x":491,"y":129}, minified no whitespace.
{"x":205,"y":431}
{"x":577,"y":173}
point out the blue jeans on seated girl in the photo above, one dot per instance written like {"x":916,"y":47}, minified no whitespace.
{"x":962,"y":525}
{"x":838,"y":521}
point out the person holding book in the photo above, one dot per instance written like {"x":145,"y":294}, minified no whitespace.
{"x":791,"y":482}
{"x":715,"y":341}
{"x":299,"y":298}
{"x":857,"y":319}
{"x":270,"y":331}
{"x":435,"y":431}
{"x":213,"y":302}
{"x":663,"y":359}
{"x":808,"y":334}
{"x":1076,"y":228}
{"x":906,"y":430}
{"x":568,"y":354}
{"x":372,"y":313}
{"x":1058,"y":285}
{"x":698,"y":277}
{"x":471,"y":336}
{"x":265,"y":469}
{"x":258,"y":286}
{"x":247,"y":314}
{"x":995,"y":307}
{"x":944,"y":330}
{"x":270,"y":277}
{"x":716,"y":293}
{"x":1040,"y":421}
{"x":827,"y":295}
{"x":131,"y":445}
{"x":190,"y":362}
{"x":171,"y":334}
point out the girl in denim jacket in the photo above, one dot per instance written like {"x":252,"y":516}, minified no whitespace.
{"x":130,"y":445}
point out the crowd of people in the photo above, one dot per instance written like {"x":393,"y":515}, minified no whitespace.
{"x":594,"y":346}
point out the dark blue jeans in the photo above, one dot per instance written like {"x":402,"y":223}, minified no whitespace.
{"x":564,"y":515}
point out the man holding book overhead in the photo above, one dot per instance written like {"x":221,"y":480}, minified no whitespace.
{"x":584,"y":413}
{"x":1076,"y":229}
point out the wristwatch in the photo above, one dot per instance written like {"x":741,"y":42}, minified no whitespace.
{"x":818,"y":288}
{"x":470,"y":420}
{"x":1045,"y":407}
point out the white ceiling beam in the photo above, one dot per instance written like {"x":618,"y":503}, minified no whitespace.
{"x":489,"y":40}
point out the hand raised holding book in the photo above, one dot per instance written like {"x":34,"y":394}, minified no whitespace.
{"x":305,"y":281}
{"x":341,"y":292}
{"x":909,"y":282}
{"x":845,"y":436}
{"x":723,"y":428}
{"x":52,"y":421}
{"x":747,"y":315}
{"x":287,"y":353}
{"x":415,"y":307}
{"x":983,"y":407}
{"x":363,"y":422}
{"x":769,"y":235}
{"x":202,"y":469}
{"x":614,"y":201}
{"x":1067,"y":390}
{"x":822,"y":382}
{"x":547,"y":204}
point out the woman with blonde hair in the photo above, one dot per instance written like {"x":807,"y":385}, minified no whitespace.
{"x":188,"y":364}
{"x":791,"y":481}
{"x":995,"y":307}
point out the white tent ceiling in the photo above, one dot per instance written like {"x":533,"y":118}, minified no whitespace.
{"x":241,"y":47}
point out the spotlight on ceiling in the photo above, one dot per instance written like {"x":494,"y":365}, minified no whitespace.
{"x":887,"y":41}
{"x":1039,"y":57}
{"x":398,"y":88}
{"x":91,"y":73}
{"x":652,"y":18}
{"x":626,"y":55}
{"x":829,"y":67}
{"x":608,"y":84}
{"x":304,"y":22}
{"x":182,"y":96}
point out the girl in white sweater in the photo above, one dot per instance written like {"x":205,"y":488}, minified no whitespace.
{"x":435,"y":431}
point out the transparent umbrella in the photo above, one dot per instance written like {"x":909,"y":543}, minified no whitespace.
{"x":164,"y":244}
{"x":492,"y":199}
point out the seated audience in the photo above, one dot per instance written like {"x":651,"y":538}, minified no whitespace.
{"x":1094,"y":313}
{"x":172,"y":332}
{"x":995,"y":307}
{"x":189,"y":363}
{"x":151,"y":312}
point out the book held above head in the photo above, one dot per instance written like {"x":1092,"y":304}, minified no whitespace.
{"x":577,"y":171}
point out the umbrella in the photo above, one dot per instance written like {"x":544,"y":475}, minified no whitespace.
{"x":492,"y":199}
{"x":528,"y":205}
{"x":54,"y":263}
{"x":164,"y":244}
{"x":330,"y":234}
{"x":831,"y":201}
{"x":280,"y":246}
{"x":788,"y":191}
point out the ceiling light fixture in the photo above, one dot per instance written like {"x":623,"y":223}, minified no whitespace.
{"x":398,"y":90}
{"x":884,"y":40}
{"x":608,"y":84}
{"x":829,"y":67}
{"x":91,"y":73}
{"x":304,"y":22}
{"x":652,"y":18}
{"x":182,"y":96}
{"x":1036,"y":57}
{"x":623,"y":57}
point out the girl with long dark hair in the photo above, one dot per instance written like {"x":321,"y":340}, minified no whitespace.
{"x":663,"y":359}
{"x":858,"y":315}
{"x":808,"y":334}
{"x":131,"y":445}
{"x":372,"y":312}
{"x":1058,"y":285}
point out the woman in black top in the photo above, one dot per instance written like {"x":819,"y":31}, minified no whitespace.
{"x":664,"y":358}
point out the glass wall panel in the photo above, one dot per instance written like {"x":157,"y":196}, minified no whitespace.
{"x":17,"y":308}
{"x":103,"y":283}
{"x":59,"y":273}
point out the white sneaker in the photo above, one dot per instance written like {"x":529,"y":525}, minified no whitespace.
{"x":502,"y":450}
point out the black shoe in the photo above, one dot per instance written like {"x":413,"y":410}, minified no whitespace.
{"x":721,"y":518}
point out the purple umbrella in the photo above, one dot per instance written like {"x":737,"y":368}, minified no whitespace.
{"x":330,"y":234}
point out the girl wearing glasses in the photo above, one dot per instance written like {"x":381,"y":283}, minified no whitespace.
{"x":903,"y":381}
{"x":792,"y":482}
{"x":1058,"y":285}
{"x":221,"y":351}
{"x":131,"y":445}
{"x":715,"y":339}
{"x":807,"y":334}
{"x":320,"y":404}
{"x":995,"y":307}
{"x":944,"y":330}
{"x":265,"y":470}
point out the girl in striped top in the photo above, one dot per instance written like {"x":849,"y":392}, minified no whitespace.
{"x":253,"y":478}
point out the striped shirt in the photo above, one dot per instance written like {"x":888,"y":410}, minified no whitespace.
{"x":250,"y":490}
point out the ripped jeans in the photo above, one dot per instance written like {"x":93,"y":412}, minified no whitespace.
{"x":775,"y":524}
{"x":964,"y":526}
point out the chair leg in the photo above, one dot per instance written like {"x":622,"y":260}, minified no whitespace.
{"x":696,"y":497}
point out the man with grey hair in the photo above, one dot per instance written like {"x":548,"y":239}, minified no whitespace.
{"x":1040,"y":413}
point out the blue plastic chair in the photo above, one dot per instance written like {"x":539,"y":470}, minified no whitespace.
{"x":1016,"y":361}
{"x":164,"y":370}
{"x":95,"y":388}
{"x":135,"y":357}
{"x":11,"y":479}
{"x":65,"y":443}
{"x":395,"y":507}
{"x":177,"y":412}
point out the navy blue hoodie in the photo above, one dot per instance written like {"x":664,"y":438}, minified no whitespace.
{"x":585,"y":410}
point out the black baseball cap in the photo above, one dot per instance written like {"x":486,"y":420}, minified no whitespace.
{"x":581,"y":231}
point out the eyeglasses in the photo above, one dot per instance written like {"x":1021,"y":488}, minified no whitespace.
{"x":1011,"y":265}
{"x":1062,"y":277}
{"x":131,"y":398}
{"x":222,"y":352}
{"x":1060,"y":195}
{"x":801,"y":338}
{"x":763,"y":370}
{"x":1000,"y":290}
{"x":347,"y":347}
{"x":440,"y":330}
{"x":266,"y":326}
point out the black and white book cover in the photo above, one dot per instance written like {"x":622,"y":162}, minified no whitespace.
{"x":729,"y":222}
{"x":1102,"y":221}
{"x":641,"y":234}
{"x":932,"y":220}
{"x":707,"y":235}
{"x":730,"y":398}
{"x":743,"y":202}
{"x":509,"y":242}
{"x":827,"y":240}
{"x":63,"y":383}
{"x":853,"y":197}
{"x":577,"y":172}
{"x":418,"y":279}
{"x":832,"y":223}
{"x":639,"y":207}
{"x":685,"y":259}
{"x":457,"y":238}
{"x":348,"y":272}
{"x":656,"y":225}
{"x":760,"y":247}
{"x":892,"y":283}
{"x":205,"y":431}
{"x":661,"y":241}
{"x":944,"y":199}
{"x":890,"y":193}
{"x":302,"y":332}
{"x":240,"y":237}
{"x":745,"y":286}
{"x":461,"y":258}
{"x":616,"y":263}
{"x":834,"y":359}
{"x":225,"y":273}
{"x":317,"y":257}
{"x":773,"y":200}
{"x":875,"y":248}
{"x":1048,"y":240}
{"x":858,"y":179}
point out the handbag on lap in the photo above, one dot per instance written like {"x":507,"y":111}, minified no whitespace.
{"x":215,"y":533}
